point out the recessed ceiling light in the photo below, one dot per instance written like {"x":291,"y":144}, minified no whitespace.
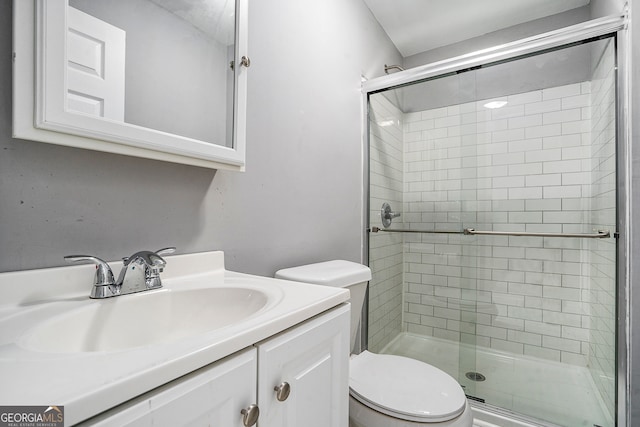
{"x":495,"y":104}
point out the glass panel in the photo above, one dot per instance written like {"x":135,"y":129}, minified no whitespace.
{"x":415,"y":167}
{"x":525,"y":323}
{"x":385,"y":249}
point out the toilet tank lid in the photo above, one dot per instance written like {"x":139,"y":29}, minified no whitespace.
{"x":338,"y":273}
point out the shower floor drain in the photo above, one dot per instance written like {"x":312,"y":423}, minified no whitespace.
{"x":475,"y":376}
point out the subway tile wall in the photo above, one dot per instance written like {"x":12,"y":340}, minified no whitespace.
{"x":528,"y":166}
{"x":523,"y":167}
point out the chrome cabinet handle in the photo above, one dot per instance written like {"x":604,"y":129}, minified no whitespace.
{"x":250,"y":415}
{"x":245,"y":61}
{"x":282,"y":391}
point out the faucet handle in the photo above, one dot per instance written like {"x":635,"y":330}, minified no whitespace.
{"x":104,"y":275}
{"x":166,"y":251}
{"x":158,"y":261}
{"x":141,"y":271}
{"x":151,"y":259}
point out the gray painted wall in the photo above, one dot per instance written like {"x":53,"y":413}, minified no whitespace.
{"x":551,"y":69}
{"x":560,"y":68}
{"x":600,"y":8}
{"x":506,"y":35}
{"x":300,"y":199}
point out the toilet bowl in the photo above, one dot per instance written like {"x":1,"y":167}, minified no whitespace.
{"x":387,"y":390}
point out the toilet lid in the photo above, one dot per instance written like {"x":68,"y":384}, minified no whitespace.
{"x":405,"y":388}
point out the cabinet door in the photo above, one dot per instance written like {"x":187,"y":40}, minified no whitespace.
{"x":212,"y":396}
{"x":313,"y":358}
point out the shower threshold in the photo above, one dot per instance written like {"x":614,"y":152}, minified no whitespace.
{"x":516,"y":387}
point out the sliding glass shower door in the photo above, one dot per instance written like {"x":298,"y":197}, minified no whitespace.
{"x":500,"y":267}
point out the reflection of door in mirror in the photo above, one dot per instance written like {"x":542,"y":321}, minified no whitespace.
{"x":96,"y":66}
{"x":178,"y":77}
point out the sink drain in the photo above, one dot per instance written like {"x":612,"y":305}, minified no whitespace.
{"x":475,"y":376}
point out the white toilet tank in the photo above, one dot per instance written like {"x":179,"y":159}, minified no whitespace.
{"x":338,"y":273}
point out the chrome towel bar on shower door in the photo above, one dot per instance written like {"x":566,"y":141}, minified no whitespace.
{"x":601,"y":234}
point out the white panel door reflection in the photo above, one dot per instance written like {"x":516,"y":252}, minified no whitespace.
{"x":95,"y":67}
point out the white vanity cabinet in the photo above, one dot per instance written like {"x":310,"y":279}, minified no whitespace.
{"x":311,"y":357}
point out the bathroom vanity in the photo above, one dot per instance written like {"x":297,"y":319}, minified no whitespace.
{"x":211,"y":347}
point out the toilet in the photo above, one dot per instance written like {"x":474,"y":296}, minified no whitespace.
{"x":387,"y":390}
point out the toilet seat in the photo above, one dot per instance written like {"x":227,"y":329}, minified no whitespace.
{"x":405,"y":388}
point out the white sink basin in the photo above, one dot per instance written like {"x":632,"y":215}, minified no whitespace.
{"x":144,"y":319}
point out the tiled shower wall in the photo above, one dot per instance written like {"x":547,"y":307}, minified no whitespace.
{"x":523,"y":167}
{"x":385,"y":249}
{"x":544,"y":162}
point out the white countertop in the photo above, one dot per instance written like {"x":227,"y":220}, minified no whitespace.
{"x":88,"y":383}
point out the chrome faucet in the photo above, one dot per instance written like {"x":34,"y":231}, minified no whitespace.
{"x":140,"y":272}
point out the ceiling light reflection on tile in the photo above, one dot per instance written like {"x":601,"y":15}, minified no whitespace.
{"x":495,"y":104}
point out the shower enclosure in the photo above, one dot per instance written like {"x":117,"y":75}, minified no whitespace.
{"x":492,"y":224}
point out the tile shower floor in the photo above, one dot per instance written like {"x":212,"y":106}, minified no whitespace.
{"x":562,"y":394}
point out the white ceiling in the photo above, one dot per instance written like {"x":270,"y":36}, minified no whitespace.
{"x":416,"y":26}
{"x":213,"y":17}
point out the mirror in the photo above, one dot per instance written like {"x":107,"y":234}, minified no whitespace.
{"x":158,"y":64}
{"x":149,"y":78}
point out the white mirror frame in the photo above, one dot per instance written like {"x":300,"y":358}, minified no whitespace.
{"x":39,"y":104}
